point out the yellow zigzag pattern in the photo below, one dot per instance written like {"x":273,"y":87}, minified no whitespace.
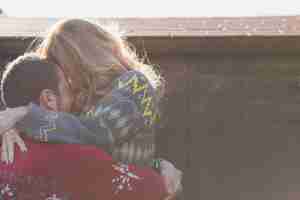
{"x":146,"y":101}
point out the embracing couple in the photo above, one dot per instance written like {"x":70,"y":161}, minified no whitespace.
{"x":82,"y":110}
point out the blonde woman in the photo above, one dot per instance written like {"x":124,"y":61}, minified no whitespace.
{"x":114,"y":97}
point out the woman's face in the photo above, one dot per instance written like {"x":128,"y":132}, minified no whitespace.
{"x":66,"y":97}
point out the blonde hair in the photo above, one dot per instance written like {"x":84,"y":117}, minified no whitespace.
{"x":91,"y":56}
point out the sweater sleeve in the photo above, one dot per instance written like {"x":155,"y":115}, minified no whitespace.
{"x":58,"y":127}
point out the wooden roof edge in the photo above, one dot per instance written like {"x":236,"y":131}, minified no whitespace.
{"x":169,"y":27}
{"x":176,"y":35}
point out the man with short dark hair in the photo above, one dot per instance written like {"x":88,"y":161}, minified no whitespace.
{"x":63,"y":171}
{"x":27,"y":77}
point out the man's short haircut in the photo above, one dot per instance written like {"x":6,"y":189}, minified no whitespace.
{"x":24,"y":79}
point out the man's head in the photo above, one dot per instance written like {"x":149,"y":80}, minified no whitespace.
{"x":32,"y":79}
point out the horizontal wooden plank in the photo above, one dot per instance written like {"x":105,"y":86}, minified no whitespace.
{"x":187,"y":45}
{"x":176,"y":35}
{"x":168,"y":27}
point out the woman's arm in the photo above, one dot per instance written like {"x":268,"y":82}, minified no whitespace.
{"x":58,"y":127}
{"x":114,"y":120}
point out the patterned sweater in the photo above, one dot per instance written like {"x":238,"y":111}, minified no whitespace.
{"x":122,"y":122}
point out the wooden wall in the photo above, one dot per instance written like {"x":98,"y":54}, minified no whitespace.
{"x":232,"y":123}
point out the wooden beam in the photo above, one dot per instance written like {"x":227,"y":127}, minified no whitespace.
{"x":168,"y":27}
{"x":176,"y":35}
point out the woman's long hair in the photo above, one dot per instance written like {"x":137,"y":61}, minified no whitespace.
{"x":91,"y":57}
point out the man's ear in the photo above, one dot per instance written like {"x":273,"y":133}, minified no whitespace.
{"x":49,"y":100}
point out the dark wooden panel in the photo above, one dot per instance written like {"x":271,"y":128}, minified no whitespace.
{"x":205,"y":45}
{"x":172,"y":139}
{"x":244,"y":122}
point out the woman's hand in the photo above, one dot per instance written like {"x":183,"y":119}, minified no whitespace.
{"x":172,"y":178}
{"x":9,"y":138}
{"x":10,"y":116}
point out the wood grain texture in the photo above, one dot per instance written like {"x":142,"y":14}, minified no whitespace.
{"x":171,"y":27}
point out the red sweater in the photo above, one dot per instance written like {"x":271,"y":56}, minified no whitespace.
{"x":70,"y":171}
